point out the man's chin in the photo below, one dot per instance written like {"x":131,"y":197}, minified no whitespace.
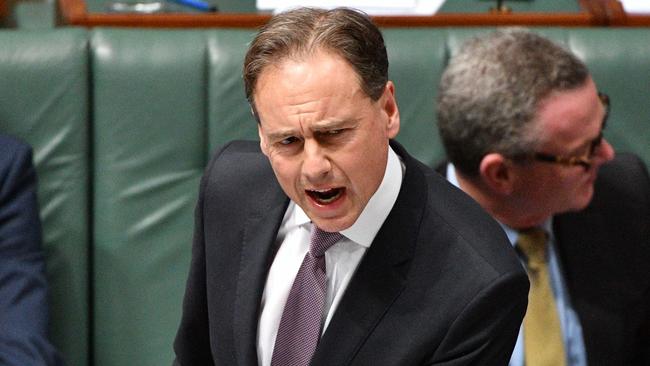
{"x":332,"y":224}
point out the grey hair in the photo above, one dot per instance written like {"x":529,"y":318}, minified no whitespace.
{"x":491,"y":90}
{"x":298,"y":33}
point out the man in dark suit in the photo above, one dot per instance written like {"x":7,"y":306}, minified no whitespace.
{"x":522,"y":123}
{"x":23,"y":287}
{"x":418,"y":274}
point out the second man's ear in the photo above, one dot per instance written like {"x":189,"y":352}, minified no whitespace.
{"x":496,"y":172}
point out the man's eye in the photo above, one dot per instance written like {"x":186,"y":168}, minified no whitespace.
{"x":288,"y":141}
{"x":332,"y":133}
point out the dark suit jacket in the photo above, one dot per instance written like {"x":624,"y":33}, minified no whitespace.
{"x":439,"y":285}
{"x":605,"y":253}
{"x":23,"y":288}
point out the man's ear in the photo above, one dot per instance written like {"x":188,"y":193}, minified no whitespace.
{"x":496,"y":172}
{"x":389,"y":105}
{"x":263,"y":143}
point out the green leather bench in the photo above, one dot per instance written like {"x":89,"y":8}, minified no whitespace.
{"x":123,"y":121}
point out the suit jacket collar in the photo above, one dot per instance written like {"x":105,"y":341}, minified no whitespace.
{"x":258,"y":251}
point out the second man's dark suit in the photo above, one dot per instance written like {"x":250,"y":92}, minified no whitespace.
{"x":604,"y":251}
{"x":439,"y":285}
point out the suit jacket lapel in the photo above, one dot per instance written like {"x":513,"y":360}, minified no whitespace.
{"x":258,"y":250}
{"x":380,"y":276}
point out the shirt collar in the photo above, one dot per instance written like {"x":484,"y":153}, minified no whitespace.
{"x":363,"y":231}
{"x":513,"y":234}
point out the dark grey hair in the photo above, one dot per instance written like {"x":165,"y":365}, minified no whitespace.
{"x":303,"y":31}
{"x":490,"y":92}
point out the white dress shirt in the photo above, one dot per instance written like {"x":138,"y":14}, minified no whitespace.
{"x":341,"y":260}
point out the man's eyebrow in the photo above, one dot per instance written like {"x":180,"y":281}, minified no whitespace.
{"x":280,"y":135}
{"x":334,"y":124}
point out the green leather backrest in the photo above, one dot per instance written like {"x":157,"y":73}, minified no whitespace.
{"x":164,"y":100}
{"x":149,"y":138}
{"x":229,"y":115}
{"x":44,"y":101}
{"x":415,"y":64}
{"x":619,"y":60}
{"x":124,"y":120}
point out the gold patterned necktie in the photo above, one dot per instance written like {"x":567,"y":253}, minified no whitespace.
{"x":543,"y":344}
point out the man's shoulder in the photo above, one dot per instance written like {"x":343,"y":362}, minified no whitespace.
{"x":238,"y":170}
{"x":467,"y":230}
{"x":15,"y":162}
{"x":236,"y":147}
{"x":237,"y":158}
{"x":11,"y":143}
{"x":12,"y":149}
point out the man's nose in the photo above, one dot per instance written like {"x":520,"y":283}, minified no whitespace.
{"x":604,"y":152}
{"x":316,"y":164}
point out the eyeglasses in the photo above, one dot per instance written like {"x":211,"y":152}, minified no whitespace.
{"x":584,"y":160}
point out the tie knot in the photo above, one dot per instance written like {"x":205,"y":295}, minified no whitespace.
{"x":321,"y":241}
{"x":532,"y":242}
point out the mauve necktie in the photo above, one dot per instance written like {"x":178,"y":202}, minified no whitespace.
{"x":300,"y":325}
{"x":543,"y":344}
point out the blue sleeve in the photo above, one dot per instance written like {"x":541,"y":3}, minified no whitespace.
{"x":23,"y":288}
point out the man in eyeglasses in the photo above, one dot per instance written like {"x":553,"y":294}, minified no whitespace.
{"x":522,"y":123}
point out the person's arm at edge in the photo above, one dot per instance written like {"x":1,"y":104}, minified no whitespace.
{"x":24,"y":308}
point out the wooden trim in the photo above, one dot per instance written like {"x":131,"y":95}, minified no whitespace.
{"x":489,"y":19}
{"x":596,"y":8}
{"x":176,"y":20}
{"x":622,"y":19}
{"x":595,"y":13}
{"x":3,"y":11}
{"x":634,"y":21}
{"x":6,"y":13}
{"x":72,"y":12}
{"x":254,"y":20}
{"x":615,"y":14}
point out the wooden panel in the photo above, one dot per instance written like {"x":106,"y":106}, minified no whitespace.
{"x":595,"y":13}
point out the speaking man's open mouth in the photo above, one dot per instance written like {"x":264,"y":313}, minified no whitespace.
{"x":325,"y":196}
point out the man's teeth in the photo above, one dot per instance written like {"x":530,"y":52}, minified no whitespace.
{"x":326,"y":195}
